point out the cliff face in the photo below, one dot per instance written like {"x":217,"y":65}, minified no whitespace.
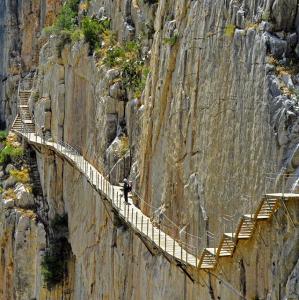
{"x":20,"y":27}
{"x":218,"y":112}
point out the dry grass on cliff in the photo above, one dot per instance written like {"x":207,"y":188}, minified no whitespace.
{"x":20,"y":175}
{"x":123,"y":146}
{"x":9,"y":194}
{"x":229,"y":30}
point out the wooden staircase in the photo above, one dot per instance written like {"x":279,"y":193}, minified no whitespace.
{"x":17,"y":124}
{"x":245,"y":230}
{"x":23,"y":121}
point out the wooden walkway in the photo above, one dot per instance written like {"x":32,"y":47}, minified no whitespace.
{"x":204,"y":258}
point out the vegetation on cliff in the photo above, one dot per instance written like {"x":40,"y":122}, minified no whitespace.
{"x":14,"y":166}
{"x":10,"y":149}
{"x":54,"y":261}
{"x":127,"y":57}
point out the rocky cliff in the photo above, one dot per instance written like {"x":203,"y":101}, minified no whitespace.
{"x":211,"y":126}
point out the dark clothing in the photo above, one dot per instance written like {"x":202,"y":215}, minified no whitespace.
{"x":127,"y":189}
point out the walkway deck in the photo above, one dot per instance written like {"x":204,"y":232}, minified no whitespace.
{"x":204,"y":258}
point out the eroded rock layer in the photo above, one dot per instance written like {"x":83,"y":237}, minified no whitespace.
{"x":217,"y":114}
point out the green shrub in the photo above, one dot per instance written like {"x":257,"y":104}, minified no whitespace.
{"x":67,"y":18}
{"x":60,"y":224}
{"x":77,"y":35}
{"x":114,"y":56}
{"x":150,"y":2}
{"x":3,"y":135}
{"x":54,"y":261}
{"x":127,"y":58}
{"x":9,"y":153}
{"x":73,"y":5}
{"x":132,"y":73}
{"x":172,"y":40}
{"x":93,"y":29}
{"x":68,"y":29}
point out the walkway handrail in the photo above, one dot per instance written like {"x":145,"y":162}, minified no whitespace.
{"x":188,"y":253}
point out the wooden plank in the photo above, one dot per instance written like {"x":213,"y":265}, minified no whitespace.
{"x":142,"y":225}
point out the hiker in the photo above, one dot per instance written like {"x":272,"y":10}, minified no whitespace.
{"x":127,"y":189}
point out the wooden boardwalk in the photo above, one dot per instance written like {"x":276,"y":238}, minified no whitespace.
{"x":204,"y":258}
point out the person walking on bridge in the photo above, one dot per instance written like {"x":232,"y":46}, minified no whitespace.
{"x":127,"y":189}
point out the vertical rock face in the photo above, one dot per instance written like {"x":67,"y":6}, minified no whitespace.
{"x":219,"y":111}
{"x":209,"y":106}
{"x":20,"y":27}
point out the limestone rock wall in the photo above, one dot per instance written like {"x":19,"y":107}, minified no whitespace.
{"x":111,"y":262}
{"x":22,"y":239}
{"x":219,"y":110}
{"x":213,"y":122}
{"x":21,"y":23}
{"x":216,"y":113}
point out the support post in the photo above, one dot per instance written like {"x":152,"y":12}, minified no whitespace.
{"x":159,"y":235}
{"x":147,"y":223}
{"x":152,"y":232}
{"x":125,"y":211}
{"x":165,"y":241}
{"x":173,"y":247}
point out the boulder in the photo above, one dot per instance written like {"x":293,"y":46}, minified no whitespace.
{"x":273,"y":85}
{"x":277,"y":46}
{"x":129,"y":32}
{"x":9,"y":168}
{"x":266,"y":26}
{"x":9,"y":203}
{"x":116,"y":91}
{"x":24,"y":199}
{"x":9,"y":182}
{"x":287,"y":79}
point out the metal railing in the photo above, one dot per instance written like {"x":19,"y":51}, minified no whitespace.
{"x":158,"y":227}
